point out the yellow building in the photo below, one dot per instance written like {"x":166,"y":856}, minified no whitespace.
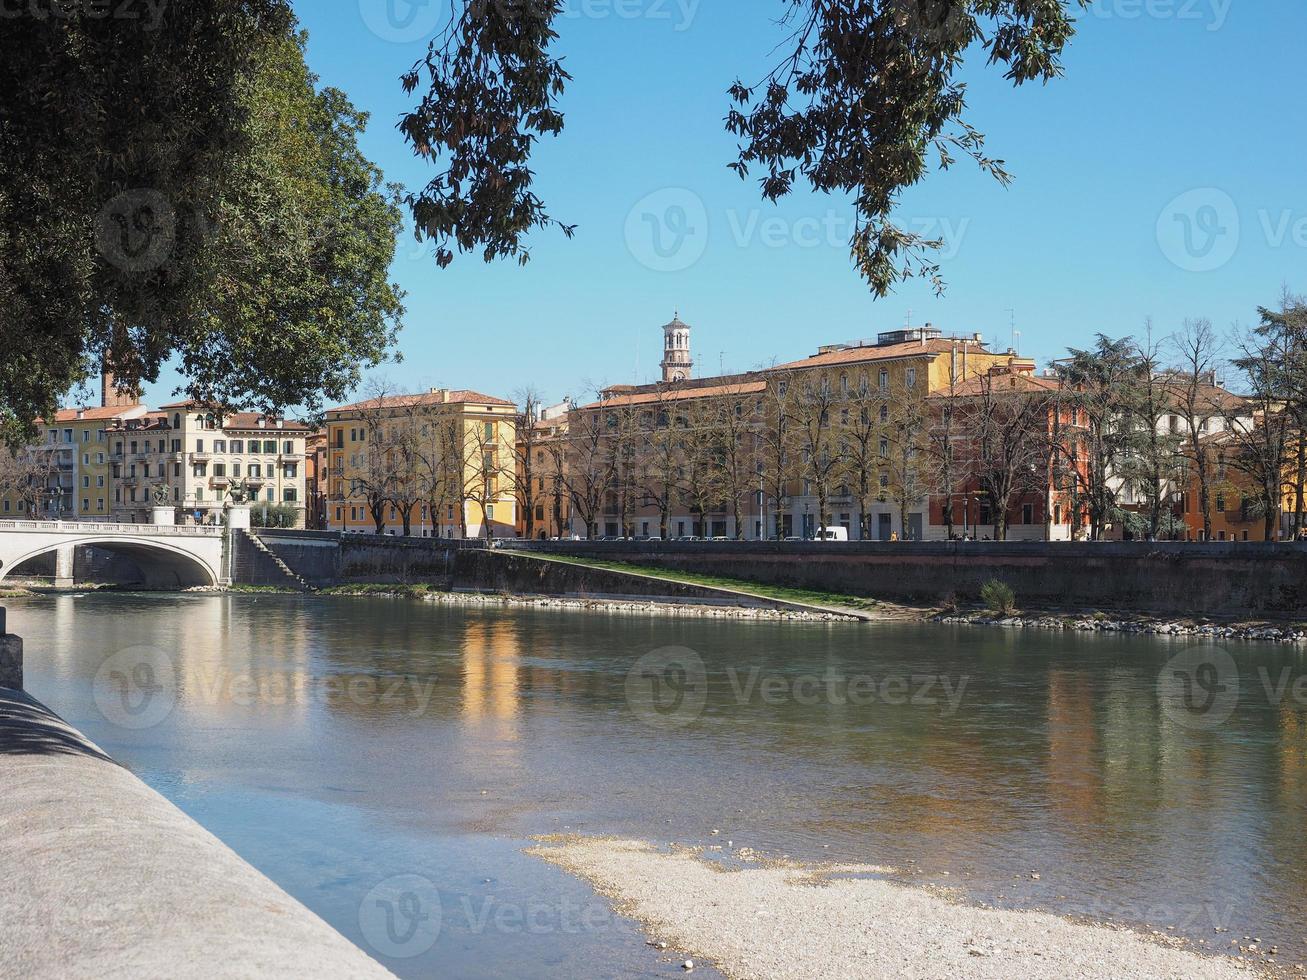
{"x":66,"y":474}
{"x":443,"y":458}
{"x":780,"y":442}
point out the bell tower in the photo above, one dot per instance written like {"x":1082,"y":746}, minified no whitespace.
{"x":677,"y":363}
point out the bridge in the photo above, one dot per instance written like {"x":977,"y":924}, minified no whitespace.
{"x":166,"y":556}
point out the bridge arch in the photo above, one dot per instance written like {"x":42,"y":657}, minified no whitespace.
{"x":163,"y":563}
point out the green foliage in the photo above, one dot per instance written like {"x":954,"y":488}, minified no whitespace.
{"x":175,"y":186}
{"x":273,"y":515}
{"x":867,"y":97}
{"x":998,"y":597}
{"x":492,"y":92}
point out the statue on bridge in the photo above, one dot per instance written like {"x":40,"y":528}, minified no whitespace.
{"x":239,"y":493}
{"x":161,"y":493}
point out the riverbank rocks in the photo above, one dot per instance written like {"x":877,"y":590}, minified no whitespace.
{"x":1099,"y":623}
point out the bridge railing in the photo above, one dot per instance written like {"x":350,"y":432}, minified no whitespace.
{"x":104,"y":527}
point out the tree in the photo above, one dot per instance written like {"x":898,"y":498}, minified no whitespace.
{"x":439,"y":465}
{"x":1093,"y":385}
{"x":25,"y":474}
{"x":662,"y":456}
{"x":1261,"y":433}
{"x":905,"y":433}
{"x":1196,"y":399}
{"x":817,"y":438}
{"x":860,"y":433}
{"x":867,"y":95}
{"x":192,"y":196}
{"x":1152,"y":463}
{"x":1006,"y":424}
{"x":733,"y":420}
{"x":700,"y":472}
{"x":527,"y":469}
{"x":587,"y":465}
{"x":776,"y":450}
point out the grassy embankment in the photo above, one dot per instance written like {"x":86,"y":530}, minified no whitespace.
{"x":808,"y":597}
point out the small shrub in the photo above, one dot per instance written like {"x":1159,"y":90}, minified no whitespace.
{"x":1099,"y":617}
{"x":998,"y":597}
{"x":949,"y":602}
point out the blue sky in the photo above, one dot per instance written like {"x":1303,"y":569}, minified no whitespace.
{"x":1162,"y":178}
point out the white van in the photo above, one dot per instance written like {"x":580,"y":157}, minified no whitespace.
{"x":833,"y":534}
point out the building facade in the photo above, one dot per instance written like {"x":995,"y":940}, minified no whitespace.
{"x":438,"y":464}
{"x":199,"y":461}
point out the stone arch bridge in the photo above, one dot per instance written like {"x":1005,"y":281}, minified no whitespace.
{"x":166,"y":556}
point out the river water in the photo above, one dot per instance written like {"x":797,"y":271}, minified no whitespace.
{"x":385,"y":761}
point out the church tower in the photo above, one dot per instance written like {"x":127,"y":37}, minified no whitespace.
{"x":677,"y":363}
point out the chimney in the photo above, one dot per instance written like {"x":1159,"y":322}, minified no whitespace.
{"x":978,"y":338}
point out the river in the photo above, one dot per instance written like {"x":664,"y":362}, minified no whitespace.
{"x":376,"y":757}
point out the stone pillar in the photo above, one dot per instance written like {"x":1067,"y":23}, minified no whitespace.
{"x":11,"y":657}
{"x":165,"y":516}
{"x":238,"y":517}
{"x":63,"y":567}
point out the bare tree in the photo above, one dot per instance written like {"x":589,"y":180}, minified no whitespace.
{"x":734,"y":419}
{"x":1006,"y":424}
{"x":699,"y":474}
{"x":528,"y":457}
{"x":586,"y":465}
{"x":25,"y":474}
{"x":817,"y":437}
{"x":439,"y":465}
{"x":485,"y":471}
{"x":905,"y":431}
{"x":1196,"y":399}
{"x":662,"y":454}
{"x":776,"y":450}
{"x":861,"y":429}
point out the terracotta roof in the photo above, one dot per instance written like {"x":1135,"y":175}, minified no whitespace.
{"x":92,"y":414}
{"x":888,"y":352}
{"x":250,"y":420}
{"x":451,"y":397}
{"x":671,"y":394}
{"x":1001,"y":382}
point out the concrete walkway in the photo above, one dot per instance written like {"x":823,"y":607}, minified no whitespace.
{"x":105,"y":878}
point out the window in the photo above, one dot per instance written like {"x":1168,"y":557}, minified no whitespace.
{"x":270,"y":495}
{"x":911,"y":377}
{"x":288,"y":495}
{"x":1027,"y":513}
{"x":219,"y":445}
{"x":290,"y":471}
{"x":86,"y":483}
{"x":884,"y":381}
{"x":490,"y":512}
{"x":255,"y":471}
{"x":884,"y":413}
{"x":238,"y":446}
{"x":236,"y":468}
{"x":219,"y":469}
{"x":199,"y":494}
{"x":269,"y":446}
{"x":884,"y":448}
{"x":199,"y":445}
{"x":1220,"y":502}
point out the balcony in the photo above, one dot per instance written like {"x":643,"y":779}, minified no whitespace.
{"x":200,"y":457}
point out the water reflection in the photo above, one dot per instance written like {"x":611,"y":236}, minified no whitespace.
{"x":987,"y":754}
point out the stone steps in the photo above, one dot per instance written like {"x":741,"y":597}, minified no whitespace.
{"x":285,"y":569}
